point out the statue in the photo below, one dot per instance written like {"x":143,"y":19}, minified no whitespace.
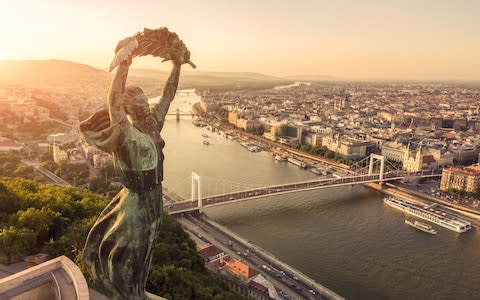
{"x":117,"y":252}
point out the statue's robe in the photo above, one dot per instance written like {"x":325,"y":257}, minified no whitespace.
{"x":118,"y":248}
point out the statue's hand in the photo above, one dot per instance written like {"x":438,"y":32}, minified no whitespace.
{"x":179,"y":57}
{"x":123,"y":52}
{"x":125,"y":42}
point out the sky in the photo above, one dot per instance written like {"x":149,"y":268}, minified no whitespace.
{"x":348,"y":39}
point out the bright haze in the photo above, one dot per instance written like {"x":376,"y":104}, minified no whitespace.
{"x":347,"y":39}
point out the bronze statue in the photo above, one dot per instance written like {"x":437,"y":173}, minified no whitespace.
{"x":117,"y":252}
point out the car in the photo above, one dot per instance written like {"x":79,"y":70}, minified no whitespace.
{"x":295,"y":278}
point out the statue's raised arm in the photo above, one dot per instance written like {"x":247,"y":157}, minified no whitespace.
{"x":122,"y":60}
{"x":160,"y":109}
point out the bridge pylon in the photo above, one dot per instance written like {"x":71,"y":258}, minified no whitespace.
{"x":381,"y":158}
{"x":196,"y":189}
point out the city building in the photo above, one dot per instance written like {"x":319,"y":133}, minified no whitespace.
{"x":242,"y":121}
{"x":7,"y":145}
{"x":465,"y":179}
{"x":59,"y":154}
{"x":210,"y":252}
{"x":284,"y":133}
{"x":347,"y":147}
{"x":393,"y":151}
{"x":243,"y":279}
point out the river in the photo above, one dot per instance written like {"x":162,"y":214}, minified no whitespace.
{"x":344,"y":238}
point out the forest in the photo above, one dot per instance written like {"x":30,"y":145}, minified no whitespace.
{"x":37,"y":217}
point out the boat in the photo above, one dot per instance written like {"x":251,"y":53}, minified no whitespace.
{"x":250,"y":147}
{"x":206,"y":143}
{"x":253,"y":148}
{"x":205,"y":135}
{"x":297,"y":162}
{"x":421,"y":226}
{"x":319,"y":171}
{"x":448,"y":221}
{"x":280,"y":158}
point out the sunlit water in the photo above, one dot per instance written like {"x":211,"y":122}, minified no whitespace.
{"x":344,"y":238}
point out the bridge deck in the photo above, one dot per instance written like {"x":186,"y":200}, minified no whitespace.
{"x":220,"y":199}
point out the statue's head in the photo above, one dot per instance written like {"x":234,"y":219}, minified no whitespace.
{"x":135,"y":103}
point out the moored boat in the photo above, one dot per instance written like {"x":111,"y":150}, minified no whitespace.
{"x":297,"y":162}
{"x":421,"y":226}
{"x":443,"y":219}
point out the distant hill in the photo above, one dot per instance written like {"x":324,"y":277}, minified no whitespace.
{"x":81,"y":78}
{"x":202,"y":79}
{"x":50,"y":73}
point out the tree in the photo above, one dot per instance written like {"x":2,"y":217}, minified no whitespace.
{"x":38,"y":220}
{"x":8,"y":201}
{"x":56,"y":220}
{"x":24,"y":171}
{"x":16,"y":240}
{"x":223,"y":114}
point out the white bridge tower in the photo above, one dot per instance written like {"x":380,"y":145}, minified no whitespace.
{"x":381,"y":158}
{"x":196,"y":190}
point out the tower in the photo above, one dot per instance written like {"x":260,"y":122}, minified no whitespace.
{"x":419,"y":159}
{"x":196,"y":191}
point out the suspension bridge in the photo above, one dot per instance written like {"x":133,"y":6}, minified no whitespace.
{"x":179,"y":113}
{"x":369,"y":170}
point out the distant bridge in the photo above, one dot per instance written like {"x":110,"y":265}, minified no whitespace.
{"x":182,"y":113}
{"x":56,"y":180}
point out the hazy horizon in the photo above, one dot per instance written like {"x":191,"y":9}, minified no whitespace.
{"x":372,"y":40}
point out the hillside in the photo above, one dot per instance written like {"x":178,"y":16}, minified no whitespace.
{"x":44,"y":218}
{"x":50,"y":73}
{"x":71,"y":76}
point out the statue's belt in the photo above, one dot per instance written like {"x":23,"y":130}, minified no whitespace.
{"x":142,"y":181}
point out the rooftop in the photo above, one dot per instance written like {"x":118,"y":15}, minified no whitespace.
{"x":473,"y":170}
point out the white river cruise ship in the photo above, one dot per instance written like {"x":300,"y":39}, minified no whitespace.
{"x":427,"y":213}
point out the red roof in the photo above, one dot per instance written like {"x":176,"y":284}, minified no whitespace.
{"x":259,"y":288}
{"x":241,"y":269}
{"x":473,"y":170}
{"x":428,"y":159}
{"x":214,"y":265}
{"x":209,"y":251}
